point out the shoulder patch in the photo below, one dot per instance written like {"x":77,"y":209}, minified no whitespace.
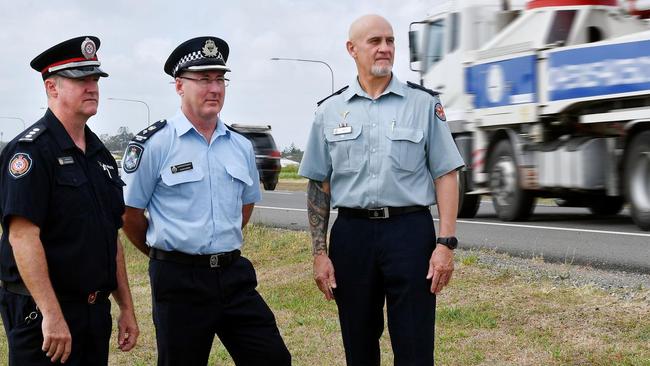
{"x":131,"y":160}
{"x":20,"y":164}
{"x":145,"y":134}
{"x":33,"y":133}
{"x":331,"y":95}
{"x":420,"y":87}
{"x":440,"y":112}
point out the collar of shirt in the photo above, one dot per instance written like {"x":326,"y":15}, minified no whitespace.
{"x":63,"y":139}
{"x":395,"y":87}
{"x":183,"y":126}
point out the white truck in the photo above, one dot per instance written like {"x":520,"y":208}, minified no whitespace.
{"x":549,"y":98}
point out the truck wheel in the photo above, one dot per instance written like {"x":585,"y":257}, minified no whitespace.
{"x":606,"y":206}
{"x":467,"y":203}
{"x":511,"y":202}
{"x":637,"y":179}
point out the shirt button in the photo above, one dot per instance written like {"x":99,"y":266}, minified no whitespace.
{"x":373,"y":150}
{"x":374,"y":125}
{"x":374,"y":176}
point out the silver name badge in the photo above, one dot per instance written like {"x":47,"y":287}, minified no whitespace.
{"x":342,"y":130}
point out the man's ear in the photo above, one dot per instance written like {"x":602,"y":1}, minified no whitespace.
{"x":351,"y":49}
{"x":51,"y":87}
{"x":179,"y":87}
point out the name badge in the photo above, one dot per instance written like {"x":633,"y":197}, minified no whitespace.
{"x":342,"y":130}
{"x":65,"y":160}
{"x":182,"y":167}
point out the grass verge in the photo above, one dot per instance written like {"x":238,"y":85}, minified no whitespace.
{"x":486,"y":317}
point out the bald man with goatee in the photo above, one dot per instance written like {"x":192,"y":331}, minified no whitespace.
{"x":381,"y":152}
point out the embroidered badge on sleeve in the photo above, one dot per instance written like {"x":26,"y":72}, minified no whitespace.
{"x":19,"y":165}
{"x":131,"y":160}
{"x":440,"y":112}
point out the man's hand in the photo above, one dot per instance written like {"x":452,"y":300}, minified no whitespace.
{"x":441,"y":266}
{"x":127,"y":330}
{"x":57,"y":340}
{"x":324,"y":275}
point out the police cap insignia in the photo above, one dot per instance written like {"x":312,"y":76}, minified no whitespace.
{"x":440,"y":112}
{"x":74,"y":58}
{"x":19,"y":165}
{"x":131,"y":160}
{"x":198,"y":54}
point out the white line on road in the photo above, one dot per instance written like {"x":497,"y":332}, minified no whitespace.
{"x":279,"y":192}
{"x":495,"y":224}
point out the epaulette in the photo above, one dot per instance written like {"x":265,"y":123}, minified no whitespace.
{"x":33,"y":133}
{"x":232,"y":129}
{"x":418,"y":86}
{"x":145,"y":134}
{"x":329,"y":96}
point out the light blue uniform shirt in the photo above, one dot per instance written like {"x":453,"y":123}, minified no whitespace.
{"x":396,"y":147}
{"x":197,"y":210}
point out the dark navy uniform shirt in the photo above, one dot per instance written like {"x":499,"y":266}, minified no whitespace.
{"x":74,"y":198}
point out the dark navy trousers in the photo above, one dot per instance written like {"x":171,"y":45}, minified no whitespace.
{"x":191,"y":304}
{"x":379,"y":261}
{"x":90,"y":326}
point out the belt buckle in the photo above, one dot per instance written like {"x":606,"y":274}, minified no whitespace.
{"x":92,"y":297}
{"x":379,"y":213}
{"x":214,"y":261}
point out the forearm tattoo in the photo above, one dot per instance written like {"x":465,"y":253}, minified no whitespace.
{"x":318,"y":210}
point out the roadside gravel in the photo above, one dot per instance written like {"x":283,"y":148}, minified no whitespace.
{"x":624,"y":285}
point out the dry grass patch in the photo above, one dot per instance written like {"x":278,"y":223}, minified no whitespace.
{"x":488,"y":316}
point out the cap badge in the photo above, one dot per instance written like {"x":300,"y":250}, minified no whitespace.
{"x":210,"y":49}
{"x":88,"y":48}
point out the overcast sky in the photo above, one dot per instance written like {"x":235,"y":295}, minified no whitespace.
{"x":138,"y":36}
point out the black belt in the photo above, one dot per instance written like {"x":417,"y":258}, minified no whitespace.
{"x":380,"y":212}
{"x":19,"y":288}
{"x":219,"y":260}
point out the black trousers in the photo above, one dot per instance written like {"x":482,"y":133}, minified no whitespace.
{"x":385,"y":260}
{"x":191,"y":304}
{"x":89,"y":324}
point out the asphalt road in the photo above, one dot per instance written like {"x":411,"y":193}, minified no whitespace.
{"x":557,"y":234}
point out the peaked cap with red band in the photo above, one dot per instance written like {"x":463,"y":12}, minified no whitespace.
{"x":74,"y":58}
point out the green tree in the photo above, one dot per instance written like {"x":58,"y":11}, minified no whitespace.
{"x":292,"y":152}
{"x":117,"y":143}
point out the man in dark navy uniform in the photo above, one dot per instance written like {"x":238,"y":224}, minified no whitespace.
{"x":61,"y":205}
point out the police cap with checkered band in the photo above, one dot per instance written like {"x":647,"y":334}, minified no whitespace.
{"x":75,"y":58}
{"x":198,"y":54}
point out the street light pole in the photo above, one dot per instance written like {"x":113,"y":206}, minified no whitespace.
{"x":306,"y":60}
{"x":136,"y":101}
{"x":18,"y":118}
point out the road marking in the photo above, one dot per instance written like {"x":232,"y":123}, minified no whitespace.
{"x":552,"y":228}
{"x":495,"y":224}
{"x":279,"y":192}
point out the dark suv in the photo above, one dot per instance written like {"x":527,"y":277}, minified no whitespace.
{"x":267,"y":156}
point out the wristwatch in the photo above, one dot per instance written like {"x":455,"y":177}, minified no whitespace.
{"x":450,"y":242}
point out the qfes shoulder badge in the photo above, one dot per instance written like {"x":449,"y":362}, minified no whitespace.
{"x":131,"y":160}
{"x":20,"y":164}
{"x":440,"y":112}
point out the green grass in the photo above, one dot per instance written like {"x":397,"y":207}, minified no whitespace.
{"x":290,"y":172}
{"x":486,"y":316}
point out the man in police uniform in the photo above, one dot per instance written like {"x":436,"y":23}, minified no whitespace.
{"x":61,"y":206}
{"x":199,"y":183}
{"x":375,"y":151}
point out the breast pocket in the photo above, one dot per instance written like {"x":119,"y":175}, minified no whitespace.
{"x":406,"y":148}
{"x":238,"y":178}
{"x":182,"y":184}
{"x":72,"y":197}
{"x":346,"y":149}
